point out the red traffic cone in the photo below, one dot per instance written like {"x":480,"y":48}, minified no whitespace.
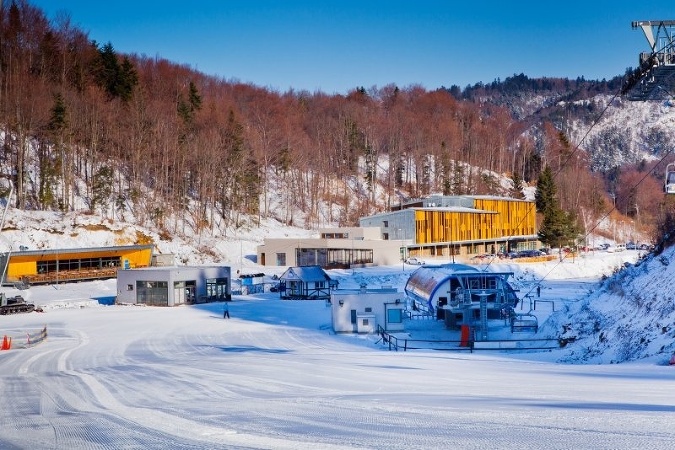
{"x":5,"y":343}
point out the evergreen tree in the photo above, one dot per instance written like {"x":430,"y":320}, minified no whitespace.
{"x":558,"y":228}
{"x":117,"y":80}
{"x":457,"y":178}
{"x":50,"y":158}
{"x":546,"y":190}
{"x":101,"y":187}
{"x":517,"y":189}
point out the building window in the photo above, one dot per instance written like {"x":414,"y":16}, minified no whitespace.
{"x":281,"y":259}
{"x":385,"y":236}
{"x":394,"y":316}
{"x":152,"y":293}
{"x":353,"y":316}
{"x":369,"y":309}
{"x":216,"y":288}
{"x":130,"y":287}
{"x":385,"y":223}
{"x":365,"y":322}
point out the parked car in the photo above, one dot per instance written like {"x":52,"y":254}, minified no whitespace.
{"x":529,"y":253}
{"x":414,"y":261}
{"x":631,"y":246}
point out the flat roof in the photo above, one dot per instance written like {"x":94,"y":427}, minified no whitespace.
{"x":82,"y":250}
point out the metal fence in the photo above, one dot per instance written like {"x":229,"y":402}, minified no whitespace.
{"x":398,"y":343}
{"x":17,"y":339}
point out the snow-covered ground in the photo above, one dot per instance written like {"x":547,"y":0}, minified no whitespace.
{"x":275,"y":376}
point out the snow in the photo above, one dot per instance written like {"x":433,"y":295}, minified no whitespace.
{"x":275,"y":376}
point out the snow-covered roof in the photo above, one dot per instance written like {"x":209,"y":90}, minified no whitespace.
{"x":305,"y":273}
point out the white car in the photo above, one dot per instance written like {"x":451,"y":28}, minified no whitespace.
{"x":414,"y":261}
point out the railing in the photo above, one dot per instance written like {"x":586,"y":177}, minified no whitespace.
{"x":419,"y":311}
{"x":70,"y":275}
{"x":545,"y":301}
{"x":395,"y":343}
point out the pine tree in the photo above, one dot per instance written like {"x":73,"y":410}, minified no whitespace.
{"x":50,"y":155}
{"x":517,"y":189}
{"x":558,"y":228}
{"x":546,"y":190}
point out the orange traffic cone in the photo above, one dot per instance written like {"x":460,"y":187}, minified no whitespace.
{"x":5,"y":343}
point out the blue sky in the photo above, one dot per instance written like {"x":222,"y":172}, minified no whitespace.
{"x":335,"y":46}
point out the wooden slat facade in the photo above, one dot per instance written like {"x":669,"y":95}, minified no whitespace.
{"x":500,"y":219}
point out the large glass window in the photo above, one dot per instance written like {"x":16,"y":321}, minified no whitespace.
{"x":153,"y":293}
{"x":78,"y":264}
{"x":216,"y":288}
{"x":333,"y":256}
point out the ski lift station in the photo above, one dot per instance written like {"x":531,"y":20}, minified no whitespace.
{"x":464,"y":297}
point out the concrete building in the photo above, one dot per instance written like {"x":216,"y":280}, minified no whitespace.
{"x":362,"y":310}
{"x":449,"y":226}
{"x":336,"y":248}
{"x":173,"y":286}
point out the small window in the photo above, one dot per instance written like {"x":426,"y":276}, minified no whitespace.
{"x":385,"y":223}
{"x":369,"y":309}
{"x":394,"y":316}
{"x":130,"y":287}
{"x":365,"y":322}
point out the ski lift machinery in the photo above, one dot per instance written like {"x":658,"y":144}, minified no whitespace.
{"x":654,"y":79}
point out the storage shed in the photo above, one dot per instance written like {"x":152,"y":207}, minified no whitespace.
{"x":173,"y":286}
{"x":305,"y":283}
{"x":463,"y":295}
{"x":362,"y":310}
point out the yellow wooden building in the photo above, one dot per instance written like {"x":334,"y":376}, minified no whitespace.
{"x":442,"y":226}
{"x":77,"y":264}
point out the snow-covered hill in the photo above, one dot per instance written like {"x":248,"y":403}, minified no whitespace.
{"x":630,"y":317}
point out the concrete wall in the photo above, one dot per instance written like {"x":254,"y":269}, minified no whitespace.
{"x":385,"y":253}
{"x":372,"y":308}
{"x":126,"y":280}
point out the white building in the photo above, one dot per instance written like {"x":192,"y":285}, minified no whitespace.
{"x":336,"y":248}
{"x":172,"y":286}
{"x":362,"y":310}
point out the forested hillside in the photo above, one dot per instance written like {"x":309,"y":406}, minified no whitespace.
{"x":146,"y":138}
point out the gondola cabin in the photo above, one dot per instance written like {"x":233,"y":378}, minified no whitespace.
{"x":669,"y":182}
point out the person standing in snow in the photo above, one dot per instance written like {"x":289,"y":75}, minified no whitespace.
{"x":226,"y":312}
